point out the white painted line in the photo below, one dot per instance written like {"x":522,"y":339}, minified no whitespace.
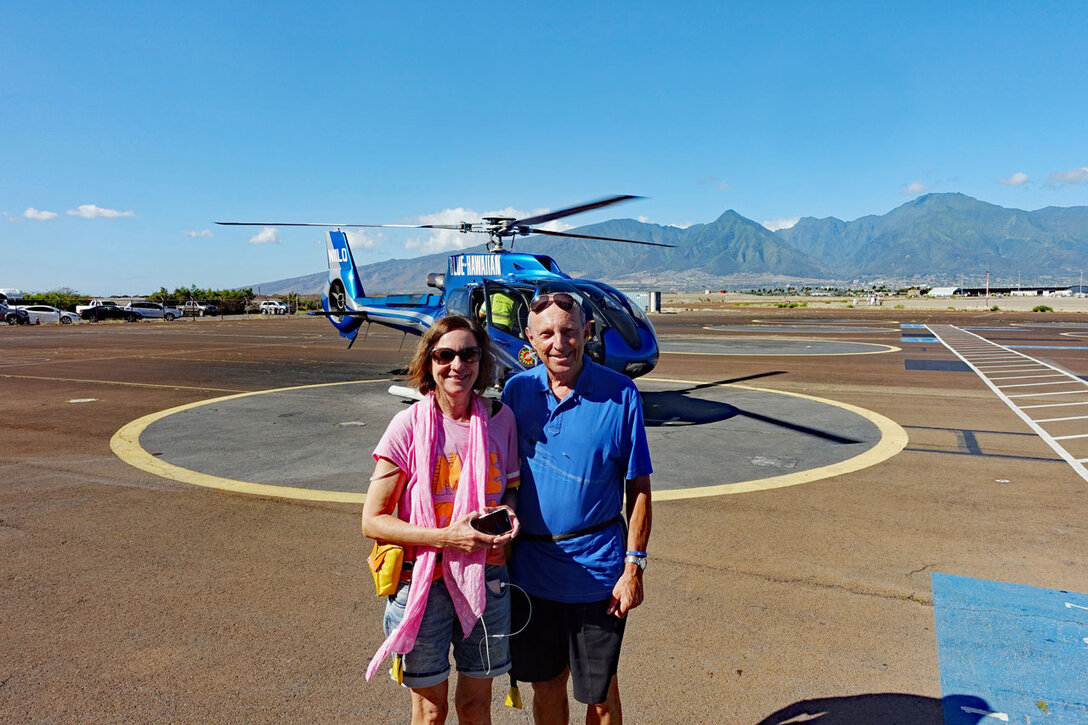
{"x":1055,"y":420}
{"x":1064,"y":438}
{"x":1039,"y":395}
{"x":1011,"y":363}
{"x":1076,"y":464}
{"x":1005,"y":369}
{"x":1029,"y":385}
{"x":1071,"y":606}
{"x":1053,"y":405}
{"x":985,"y":713}
{"x":1025,"y":377}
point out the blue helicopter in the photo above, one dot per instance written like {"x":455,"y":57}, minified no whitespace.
{"x":496,"y":288}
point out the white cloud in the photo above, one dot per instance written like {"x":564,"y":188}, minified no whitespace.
{"x":268,"y":235}
{"x":775,"y":224}
{"x":1073,"y":176}
{"x":441,"y":240}
{"x":90,"y":211}
{"x":1017,"y":179}
{"x":358,"y":239}
{"x":201,"y":233}
{"x":42,"y":216}
{"x":913,"y":188}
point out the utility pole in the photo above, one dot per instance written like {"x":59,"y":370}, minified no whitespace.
{"x":987,"y":288}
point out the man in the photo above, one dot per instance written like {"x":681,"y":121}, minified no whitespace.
{"x":502,"y":311}
{"x":582,"y":445}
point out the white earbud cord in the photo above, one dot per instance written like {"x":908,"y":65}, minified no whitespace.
{"x":500,"y":636}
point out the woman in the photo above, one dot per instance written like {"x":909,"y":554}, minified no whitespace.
{"x":441,"y":464}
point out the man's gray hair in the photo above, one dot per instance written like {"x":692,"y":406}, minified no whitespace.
{"x":577,"y":306}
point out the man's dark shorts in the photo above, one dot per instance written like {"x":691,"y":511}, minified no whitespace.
{"x":582,"y":636}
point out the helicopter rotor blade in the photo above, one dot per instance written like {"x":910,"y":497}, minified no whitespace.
{"x":542,"y":218}
{"x":454,"y":227}
{"x":607,"y":239}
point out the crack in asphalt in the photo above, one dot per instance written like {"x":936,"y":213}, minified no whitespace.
{"x":809,"y":582}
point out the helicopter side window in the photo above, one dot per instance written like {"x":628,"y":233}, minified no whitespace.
{"x":457,"y":302}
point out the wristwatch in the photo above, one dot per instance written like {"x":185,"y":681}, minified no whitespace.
{"x":639,"y":561}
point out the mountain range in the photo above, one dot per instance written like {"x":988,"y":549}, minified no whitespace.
{"x":934,"y":239}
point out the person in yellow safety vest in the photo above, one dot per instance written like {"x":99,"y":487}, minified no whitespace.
{"x":502,"y":311}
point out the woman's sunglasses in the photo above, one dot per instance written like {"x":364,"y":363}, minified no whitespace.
{"x":561,"y":299}
{"x":445,"y":355}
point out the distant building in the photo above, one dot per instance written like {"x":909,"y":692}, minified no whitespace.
{"x":943,"y":292}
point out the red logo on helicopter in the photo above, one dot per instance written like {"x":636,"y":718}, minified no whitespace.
{"x":527,"y":357}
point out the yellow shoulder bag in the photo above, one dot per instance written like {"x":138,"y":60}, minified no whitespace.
{"x":386,"y":562}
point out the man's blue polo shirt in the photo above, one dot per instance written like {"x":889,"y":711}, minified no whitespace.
{"x":576,"y":454}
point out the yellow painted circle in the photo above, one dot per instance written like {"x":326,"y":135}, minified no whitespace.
{"x":125,"y":444}
{"x":886,"y":348}
{"x":892,"y":440}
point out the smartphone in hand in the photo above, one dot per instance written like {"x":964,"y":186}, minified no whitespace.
{"x":493,"y":523}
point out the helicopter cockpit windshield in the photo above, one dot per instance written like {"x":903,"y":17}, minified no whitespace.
{"x":602,"y":307}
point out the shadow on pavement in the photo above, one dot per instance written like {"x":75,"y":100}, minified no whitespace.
{"x":676,"y":407}
{"x":885,"y":708}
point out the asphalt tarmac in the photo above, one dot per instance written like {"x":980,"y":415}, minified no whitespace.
{"x":133,"y":596}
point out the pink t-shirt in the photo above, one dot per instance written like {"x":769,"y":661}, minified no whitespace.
{"x":452,"y":445}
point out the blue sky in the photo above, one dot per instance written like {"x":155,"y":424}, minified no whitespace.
{"x":128,"y":129}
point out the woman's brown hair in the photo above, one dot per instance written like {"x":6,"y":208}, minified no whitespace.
{"x":419,"y":370}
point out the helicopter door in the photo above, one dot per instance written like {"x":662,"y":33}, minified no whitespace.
{"x":507,"y":309}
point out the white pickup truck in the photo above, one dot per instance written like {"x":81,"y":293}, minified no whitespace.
{"x":80,"y":309}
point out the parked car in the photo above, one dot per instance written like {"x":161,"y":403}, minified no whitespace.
{"x":80,"y":309}
{"x":274,"y":307}
{"x":198,"y":308}
{"x":98,"y":313}
{"x":153,"y":310}
{"x":47,"y":314}
{"x":13,"y":315}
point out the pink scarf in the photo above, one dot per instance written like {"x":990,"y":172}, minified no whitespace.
{"x":464,"y":573}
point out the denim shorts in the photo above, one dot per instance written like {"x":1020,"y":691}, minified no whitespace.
{"x":477,"y":655}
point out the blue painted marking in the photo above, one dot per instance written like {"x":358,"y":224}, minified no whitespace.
{"x":917,"y":339}
{"x":1020,"y":649}
{"x":911,"y":326}
{"x":944,"y":365}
